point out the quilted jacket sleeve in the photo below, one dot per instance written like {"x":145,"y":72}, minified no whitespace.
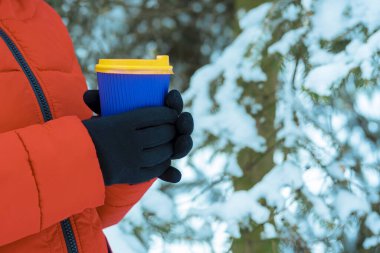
{"x":119,"y":200}
{"x":47,"y":173}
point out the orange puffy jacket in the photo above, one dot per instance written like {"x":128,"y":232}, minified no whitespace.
{"x":52,"y":193}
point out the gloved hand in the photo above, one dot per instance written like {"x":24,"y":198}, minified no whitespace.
{"x":138,"y":145}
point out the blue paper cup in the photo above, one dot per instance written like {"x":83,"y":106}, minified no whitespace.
{"x":129,"y":84}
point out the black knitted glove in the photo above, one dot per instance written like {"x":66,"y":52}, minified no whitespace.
{"x":136,"y":146}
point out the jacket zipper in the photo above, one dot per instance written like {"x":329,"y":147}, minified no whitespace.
{"x":44,"y":106}
{"x":69,"y":236}
{"x":47,"y":115}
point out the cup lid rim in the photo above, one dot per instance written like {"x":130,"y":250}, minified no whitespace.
{"x":160,"y":65}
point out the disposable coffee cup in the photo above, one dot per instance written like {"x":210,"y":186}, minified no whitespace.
{"x":128,"y":84}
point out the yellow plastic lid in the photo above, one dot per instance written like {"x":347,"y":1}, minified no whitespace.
{"x":160,"y":65}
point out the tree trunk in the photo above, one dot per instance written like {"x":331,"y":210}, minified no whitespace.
{"x":256,"y":165}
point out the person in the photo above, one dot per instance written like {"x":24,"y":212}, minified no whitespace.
{"x":65,"y":174}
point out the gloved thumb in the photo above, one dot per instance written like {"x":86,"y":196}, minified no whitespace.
{"x":92,"y":100}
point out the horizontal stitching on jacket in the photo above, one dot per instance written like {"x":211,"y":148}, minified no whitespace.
{"x":34,"y":176}
{"x":132,"y":202}
{"x":55,"y":70}
{"x":117,"y":206}
{"x":70,"y":71}
{"x":10,"y":70}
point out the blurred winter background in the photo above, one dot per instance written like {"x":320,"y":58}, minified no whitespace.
{"x":286,"y":98}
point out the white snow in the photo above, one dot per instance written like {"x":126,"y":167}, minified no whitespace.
{"x":269,"y":188}
{"x":347,"y":203}
{"x":315,"y":169}
{"x":229,"y":119}
{"x":315,"y":180}
{"x":308,"y":168}
{"x":371,"y":242}
{"x":255,"y":16}
{"x":213,"y":164}
{"x":121,"y":242}
{"x":287,"y":41}
{"x":291,"y":12}
{"x":366,"y":12}
{"x":329,"y":20}
{"x":269,"y":231}
{"x":321,"y":79}
{"x":369,"y":104}
{"x":307,"y":4}
{"x":373,"y":222}
{"x":159,"y":204}
{"x":252,"y":73}
{"x":336,"y":171}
